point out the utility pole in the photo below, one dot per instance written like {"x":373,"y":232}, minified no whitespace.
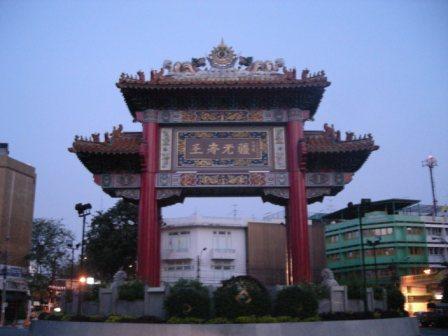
{"x":198,"y":275}
{"x":365,"y":203}
{"x":72,"y":247}
{"x":431,"y":162}
{"x":373,"y":244}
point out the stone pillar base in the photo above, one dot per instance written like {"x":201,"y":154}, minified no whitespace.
{"x":154,"y":297}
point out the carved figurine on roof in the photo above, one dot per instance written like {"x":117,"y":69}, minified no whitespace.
{"x":223,"y":58}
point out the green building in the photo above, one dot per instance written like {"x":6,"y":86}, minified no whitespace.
{"x":398,"y":239}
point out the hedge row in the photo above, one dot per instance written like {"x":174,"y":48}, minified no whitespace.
{"x":239,"y":297}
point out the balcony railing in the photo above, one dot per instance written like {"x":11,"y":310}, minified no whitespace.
{"x":223,"y":253}
{"x":176,"y":254}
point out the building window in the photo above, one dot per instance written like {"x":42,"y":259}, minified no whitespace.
{"x":414,"y":230}
{"x":352,"y":254}
{"x":332,"y":239}
{"x":416,"y":250}
{"x":387,"y":251}
{"x":179,"y":241}
{"x":434,"y":231}
{"x":351,"y":235}
{"x":223,"y":269}
{"x":178,"y":265}
{"x":378,"y":232}
{"x":435,"y":251}
{"x":222,"y":240}
{"x":334,"y":257}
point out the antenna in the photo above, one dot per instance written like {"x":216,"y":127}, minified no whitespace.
{"x":431,"y":162}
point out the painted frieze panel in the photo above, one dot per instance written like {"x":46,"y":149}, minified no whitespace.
{"x":279,"y":148}
{"x":321,"y":179}
{"x":250,"y":179}
{"x":223,"y":116}
{"x":125,"y":181}
{"x":166,"y":144}
{"x":206,"y":149}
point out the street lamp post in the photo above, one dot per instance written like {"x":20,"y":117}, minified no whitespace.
{"x":365,"y":203}
{"x":73,"y":248}
{"x":83,"y":211}
{"x":198,"y":275}
{"x":373,"y":244}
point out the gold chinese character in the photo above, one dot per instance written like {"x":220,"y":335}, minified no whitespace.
{"x":213,"y":148}
{"x":243,"y":148}
{"x":196,"y":149}
{"x":228,"y":149}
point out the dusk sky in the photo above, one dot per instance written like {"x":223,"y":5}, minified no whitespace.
{"x":387,"y":62}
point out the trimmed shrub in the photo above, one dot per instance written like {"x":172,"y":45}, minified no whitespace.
{"x":116,"y":318}
{"x":297,"y":301}
{"x":149,"y":319}
{"x":91,"y":293}
{"x":68,"y":295}
{"x":395,"y":299}
{"x":43,"y":316}
{"x":319,"y":290}
{"x":241,"y":296}
{"x":131,"y":291}
{"x":188,"y":298}
{"x":354,"y":287}
{"x":219,"y":320}
{"x":378,"y":293}
{"x":185,"y":320}
{"x":347,"y":316}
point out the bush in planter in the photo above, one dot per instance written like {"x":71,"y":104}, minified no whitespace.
{"x":120,"y":319}
{"x":185,"y":320}
{"x":297,"y":301}
{"x":91,"y":293}
{"x":131,"y":291}
{"x":241,"y":296}
{"x":219,"y":320}
{"x":395,"y":299}
{"x":354,"y":288}
{"x":319,"y":290}
{"x":188,"y":298}
{"x":68,"y":295}
{"x":378,"y":293}
{"x":43,"y":316}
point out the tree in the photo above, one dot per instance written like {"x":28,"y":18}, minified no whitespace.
{"x":49,"y":253}
{"x":111,"y":242}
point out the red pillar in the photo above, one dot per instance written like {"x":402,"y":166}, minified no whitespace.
{"x":297,"y":205}
{"x":148,"y":253}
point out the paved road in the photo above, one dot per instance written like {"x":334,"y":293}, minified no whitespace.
{"x":24,"y":332}
{"x":433,"y":332}
{"x":13,"y":332}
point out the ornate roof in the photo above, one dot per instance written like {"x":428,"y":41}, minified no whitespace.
{"x":325,"y":150}
{"x":222,"y":67}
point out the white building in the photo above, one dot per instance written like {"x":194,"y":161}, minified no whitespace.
{"x":210,"y":249}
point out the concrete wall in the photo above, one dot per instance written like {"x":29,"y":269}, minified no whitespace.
{"x":385,"y":327}
{"x":17,"y":187}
